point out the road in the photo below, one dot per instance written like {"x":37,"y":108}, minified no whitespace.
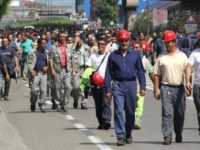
{"x":21,"y":129}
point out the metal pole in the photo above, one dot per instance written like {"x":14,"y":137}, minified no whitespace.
{"x":148,"y":19}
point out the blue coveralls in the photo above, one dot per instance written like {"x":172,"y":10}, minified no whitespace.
{"x":123,"y":72}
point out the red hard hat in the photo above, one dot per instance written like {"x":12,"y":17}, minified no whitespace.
{"x":97,"y":79}
{"x":123,"y":34}
{"x":169,"y":35}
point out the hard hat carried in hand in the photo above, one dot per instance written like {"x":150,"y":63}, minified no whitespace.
{"x":97,"y":79}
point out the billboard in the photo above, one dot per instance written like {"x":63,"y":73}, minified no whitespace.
{"x":131,"y":3}
{"x":160,"y":17}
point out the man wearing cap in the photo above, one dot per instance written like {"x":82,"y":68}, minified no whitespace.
{"x":123,"y":69}
{"x":169,"y":73}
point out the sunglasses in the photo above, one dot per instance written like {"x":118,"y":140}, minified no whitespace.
{"x":101,"y":44}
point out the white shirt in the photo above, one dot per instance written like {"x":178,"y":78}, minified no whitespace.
{"x":95,"y":60}
{"x":194,"y":60}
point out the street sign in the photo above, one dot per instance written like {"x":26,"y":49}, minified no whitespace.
{"x":191,"y":20}
{"x":191,"y":24}
{"x":160,"y":17}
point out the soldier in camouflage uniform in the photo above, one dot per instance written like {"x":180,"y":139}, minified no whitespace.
{"x":80,"y":54}
{"x":61,"y":64}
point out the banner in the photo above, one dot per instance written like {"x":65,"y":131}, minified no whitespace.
{"x":160,"y":17}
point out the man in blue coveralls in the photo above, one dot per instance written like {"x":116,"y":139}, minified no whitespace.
{"x":123,"y":68}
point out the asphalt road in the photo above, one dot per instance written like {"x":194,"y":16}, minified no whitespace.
{"x":21,"y":129}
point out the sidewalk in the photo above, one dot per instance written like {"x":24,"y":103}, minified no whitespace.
{"x":9,"y":138}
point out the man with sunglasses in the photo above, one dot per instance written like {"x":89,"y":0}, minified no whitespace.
{"x":123,"y":69}
{"x":169,"y":76}
{"x":98,"y":62}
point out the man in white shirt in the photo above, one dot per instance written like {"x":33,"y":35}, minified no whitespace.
{"x":98,"y":61}
{"x":194,"y":62}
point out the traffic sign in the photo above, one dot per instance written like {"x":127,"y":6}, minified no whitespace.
{"x":191,"y":20}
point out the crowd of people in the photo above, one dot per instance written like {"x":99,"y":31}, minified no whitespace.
{"x":107,"y":64}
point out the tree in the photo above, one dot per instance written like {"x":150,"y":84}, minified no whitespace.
{"x":107,"y":11}
{"x":3,"y":7}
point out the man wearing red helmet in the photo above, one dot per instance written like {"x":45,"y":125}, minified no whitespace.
{"x":98,"y":61}
{"x":169,"y":75}
{"x":123,"y":69}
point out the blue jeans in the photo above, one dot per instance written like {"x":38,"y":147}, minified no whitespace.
{"x":196,"y":96}
{"x":125,"y":100}
{"x":173,"y":109}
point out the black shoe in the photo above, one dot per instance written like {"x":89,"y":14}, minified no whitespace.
{"x":75,"y":104}
{"x":6,"y":98}
{"x":121,"y":142}
{"x":84,"y":107}
{"x":129,"y":140}
{"x":54,"y":106}
{"x":178,"y":138}
{"x":32,"y":107}
{"x":100,"y":127}
{"x":63,"y":109}
{"x":106,"y":125}
{"x":167,"y":141}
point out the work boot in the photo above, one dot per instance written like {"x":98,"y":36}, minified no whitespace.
{"x":83,"y":106}
{"x":167,"y":141}
{"x":129,"y":140}
{"x":121,"y":142}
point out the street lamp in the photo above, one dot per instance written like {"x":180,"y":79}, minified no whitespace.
{"x":148,"y":19}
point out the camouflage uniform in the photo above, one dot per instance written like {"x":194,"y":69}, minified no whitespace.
{"x":80,"y":57}
{"x":37,"y":84}
{"x":62,"y":80}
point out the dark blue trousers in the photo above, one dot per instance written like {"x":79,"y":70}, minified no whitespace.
{"x":125,"y":100}
{"x":102,"y":105}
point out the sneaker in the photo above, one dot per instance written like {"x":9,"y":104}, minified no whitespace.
{"x":137,"y":127}
{"x":167,"y":141}
{"x":121,"y":142}
{"x":129,"y":140}
{"x":178,"y":138}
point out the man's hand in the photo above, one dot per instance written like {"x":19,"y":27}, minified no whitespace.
{"x":189,"y":86}
{"x":142,"y":92}
{"x":7,"y":77}
{"x":156,"y":94}
{"x":74,"y":73}
{"x":33,"y":73}
{"x":45,"y":69}
{"x":53,"y":72}
{"x":108,"y":95}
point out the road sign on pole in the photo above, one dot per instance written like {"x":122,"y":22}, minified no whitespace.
{"x":191,"y":24}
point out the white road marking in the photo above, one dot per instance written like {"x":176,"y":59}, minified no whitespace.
{"x":94,"y":139}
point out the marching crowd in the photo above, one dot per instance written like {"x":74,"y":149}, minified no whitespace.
{"x":107,"y":64}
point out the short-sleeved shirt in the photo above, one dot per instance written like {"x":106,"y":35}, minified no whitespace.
{"x":27,"y":45}
{"x":95,"y":60}
{"x":8,"y":54}
{"x":41,"y":60}
{"x":194,"y":60}
{"x":171,"y":68}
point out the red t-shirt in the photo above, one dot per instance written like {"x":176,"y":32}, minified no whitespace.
{"x":63,"y":55}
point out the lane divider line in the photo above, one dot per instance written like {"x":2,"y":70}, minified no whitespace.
{"x":91,"y":136}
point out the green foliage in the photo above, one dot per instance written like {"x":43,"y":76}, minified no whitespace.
{"x":143,"y":22}
{"x":3,"y":7}
{"x":107,"y":11}
{"x":55,"y":23}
